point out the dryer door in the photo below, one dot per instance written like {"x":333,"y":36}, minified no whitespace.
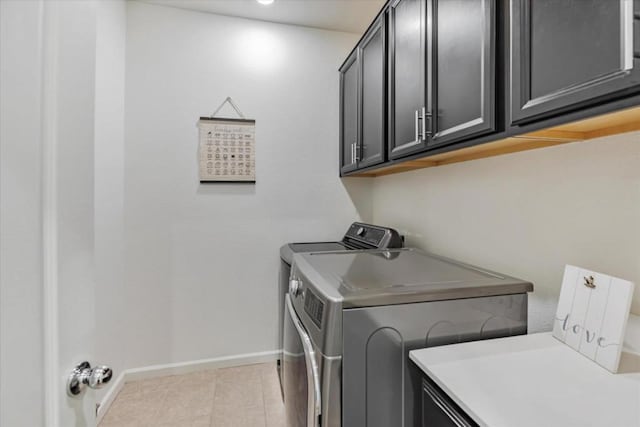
{"x":300,"y":373}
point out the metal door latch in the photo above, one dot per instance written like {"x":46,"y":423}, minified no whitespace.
{"x":84,"y":375}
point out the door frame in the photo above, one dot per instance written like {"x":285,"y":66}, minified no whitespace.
{"x":49,"y":211}
{"x":67,"y":117}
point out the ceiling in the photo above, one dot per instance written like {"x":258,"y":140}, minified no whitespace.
{"x":353,"y":16}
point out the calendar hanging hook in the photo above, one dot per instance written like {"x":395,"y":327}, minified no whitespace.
{"x":233,"y":105}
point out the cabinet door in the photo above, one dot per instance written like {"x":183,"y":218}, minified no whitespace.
{"x":439,"y":411}
{"x":349,"y":113}
{"x":461,"y":69}
{"x":373,"y":95}
{"x":407,"y":19}
{"x":566,"y":54}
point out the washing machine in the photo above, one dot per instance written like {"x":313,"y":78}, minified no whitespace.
{"x":351,"y":319}
{"x":359,"y":236}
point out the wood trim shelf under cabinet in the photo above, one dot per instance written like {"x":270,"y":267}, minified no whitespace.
{"x":618,"y":122}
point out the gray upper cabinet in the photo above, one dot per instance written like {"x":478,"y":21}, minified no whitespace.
{"x":432,"y":76}
{"x":460,"y":69}
{"x":568,"y":54}
{"x":442,"y":58}
{"x":349,"y":99}
{"x":373,"y":95}
{"x":407,"y":72}
{"x":363,"y":83}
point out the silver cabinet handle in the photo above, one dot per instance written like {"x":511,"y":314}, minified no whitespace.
{"x":313,"y":380}
{"x":417,"y":118}
{"x":356,"y":152}
{"x":83,"y":376}
{"x":627,"y":34}
{"x":636,"y":49}
{"x":426,"y":130}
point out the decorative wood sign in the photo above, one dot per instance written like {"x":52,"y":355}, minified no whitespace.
{"x":592,"y":315}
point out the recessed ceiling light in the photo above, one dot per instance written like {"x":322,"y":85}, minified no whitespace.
{"x":265,"y":2}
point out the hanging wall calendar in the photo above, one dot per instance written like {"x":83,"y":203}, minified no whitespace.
{"x":227,"y":148}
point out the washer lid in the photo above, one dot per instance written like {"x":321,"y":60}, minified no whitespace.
{"x":317,"y":247}
{"x":395,"y":276}
{"x":287,"y":251}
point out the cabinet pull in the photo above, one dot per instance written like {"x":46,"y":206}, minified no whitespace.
{"x":351,"y":154}
{"x":627,"y":28}
{"x":356,"y":152}
{"x":417,"y":119}
{"x":636,"y":22}
{"x":426,"y":130}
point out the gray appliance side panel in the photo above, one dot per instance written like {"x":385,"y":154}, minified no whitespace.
{"x":331,"y":369}
{"x":380,"y":386}
{"x":283,"y":288}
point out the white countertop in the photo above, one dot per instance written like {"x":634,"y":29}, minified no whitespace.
{"x":534,"y":380}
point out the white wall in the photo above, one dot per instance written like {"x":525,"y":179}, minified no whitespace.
{"x":527,"y":214}
{"x":21,"y":321}
{"x":111,"y":306}
{"x":202,"y":260}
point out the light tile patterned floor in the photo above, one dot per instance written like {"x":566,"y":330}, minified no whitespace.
{"x":246,"y":396}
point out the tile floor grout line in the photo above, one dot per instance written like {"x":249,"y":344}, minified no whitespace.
{"x":264,"y":402}
{"x":213,"y":398}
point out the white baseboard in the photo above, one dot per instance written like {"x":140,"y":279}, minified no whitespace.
{"x":110,"y":396}
{"x":179,"y":368}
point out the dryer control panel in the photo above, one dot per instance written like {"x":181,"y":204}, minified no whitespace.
{"x":367,"y":236}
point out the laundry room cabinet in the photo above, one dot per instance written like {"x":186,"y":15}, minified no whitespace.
{"x":466,"y":79}
{"x":363,"y":100}
{"x":349,"y":97}
{"x":565,"y":55}
{"x":442,"y":56}
{"x":461,"y":70}
{"x":438,"y":87}
{"x":407,"y":76}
